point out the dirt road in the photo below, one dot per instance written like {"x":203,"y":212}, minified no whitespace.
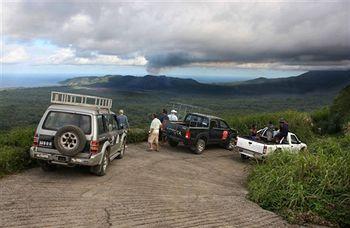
{"x":171,"y":188}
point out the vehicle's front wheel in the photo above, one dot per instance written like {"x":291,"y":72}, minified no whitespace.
{"x":173,"y":143}
{"x":230,"y":144}
{"x":47,"y":167}
{"x":200,"y":146}
{"x":100,"y":170}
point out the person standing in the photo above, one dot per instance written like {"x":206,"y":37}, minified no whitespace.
{"x":154,"y":133}
{"x":122,"y":120}
{"x":269,"y":131}
{"x":164,"y":119}
{"x":172,"y":116}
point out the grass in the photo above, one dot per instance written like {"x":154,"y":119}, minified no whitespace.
{"x":313,"y":186}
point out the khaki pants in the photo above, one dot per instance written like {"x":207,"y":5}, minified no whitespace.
{"x":153,"y":138}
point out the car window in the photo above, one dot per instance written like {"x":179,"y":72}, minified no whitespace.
{"x":56,"y":120}
{"x":294,"y":139}
{"x":101,"y":124}
{"x":197,"y":121}
{"x":213,"y":124}
{"x":223,"y":125}
{"x":111,"y":121}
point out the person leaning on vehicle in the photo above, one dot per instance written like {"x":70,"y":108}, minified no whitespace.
{"x":122,"y":120}
{"x":154,"y":133}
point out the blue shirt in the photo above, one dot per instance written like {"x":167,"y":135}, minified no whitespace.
{"x":123,"y":122}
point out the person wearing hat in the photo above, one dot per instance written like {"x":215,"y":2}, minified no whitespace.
{"x":172,"y":116}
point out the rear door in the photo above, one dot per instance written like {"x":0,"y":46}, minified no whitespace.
{"x":295,"y":143}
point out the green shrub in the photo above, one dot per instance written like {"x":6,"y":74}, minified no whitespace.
{"x":137,"y":135}
{"x":14,"y":150}
{"x":311,"y":186}
{"x":299,"y":123}
{"x":13,"y":159}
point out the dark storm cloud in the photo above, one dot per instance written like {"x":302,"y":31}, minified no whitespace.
{"x":305,"y":34}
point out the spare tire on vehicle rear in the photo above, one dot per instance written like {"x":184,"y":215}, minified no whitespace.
{"x":70,"y":140}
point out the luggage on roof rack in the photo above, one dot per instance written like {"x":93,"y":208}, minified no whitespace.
{"x":80,"y":100}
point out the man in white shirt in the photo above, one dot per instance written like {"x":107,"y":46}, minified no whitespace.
{"x":172,"y":116}
{"x":154,"y":133}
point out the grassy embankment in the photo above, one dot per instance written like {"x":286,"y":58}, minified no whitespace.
{"x":312,"y":186}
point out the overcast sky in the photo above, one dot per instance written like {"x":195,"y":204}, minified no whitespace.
{"x":197,"y":38}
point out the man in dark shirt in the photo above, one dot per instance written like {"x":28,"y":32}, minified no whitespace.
{"x":284,"y":128}
{"x":164,"y":119}
{"x":122,"y":120}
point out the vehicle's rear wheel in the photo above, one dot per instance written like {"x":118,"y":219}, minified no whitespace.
{"x":244,"y":157}
{"x":47,"y":167}
{"x":70,"y":140}
{"x":200,"y":146}
{"x":173,"y":143}
{"x":100,"y":170}
{"x":122,"y":151}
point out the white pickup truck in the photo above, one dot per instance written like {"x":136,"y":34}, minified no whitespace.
{"x":260,"y":148}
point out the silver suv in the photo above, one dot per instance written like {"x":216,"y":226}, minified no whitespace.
{"x":78,"y":130}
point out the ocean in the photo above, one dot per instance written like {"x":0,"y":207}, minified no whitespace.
{"x":31,"y":80}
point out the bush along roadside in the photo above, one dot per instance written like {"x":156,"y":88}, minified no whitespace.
{"x":15,"y":145}
{"x":312,"y":186}
{"x":14,"y":150}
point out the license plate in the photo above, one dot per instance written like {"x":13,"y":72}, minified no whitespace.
{"x":61,"y":158}
{"x":45,"y":144}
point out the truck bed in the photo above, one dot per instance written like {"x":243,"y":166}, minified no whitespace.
{"x":260,"y":140}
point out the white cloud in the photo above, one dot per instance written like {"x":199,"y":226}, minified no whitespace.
{"x":306,"y":34}
{"x":13,"y":54}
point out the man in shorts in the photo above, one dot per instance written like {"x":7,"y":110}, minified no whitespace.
{"x":154,"y":133}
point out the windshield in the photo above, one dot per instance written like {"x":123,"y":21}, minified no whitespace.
{"x":56,"y":120}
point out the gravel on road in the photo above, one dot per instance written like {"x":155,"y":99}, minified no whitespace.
{"x":170,"y":188}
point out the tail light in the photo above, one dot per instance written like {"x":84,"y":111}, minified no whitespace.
{"x":188,"y":134}
{"x":265,"y":149}
{"x":35,"y":139}
{"x":94,"y":146}
{"x":224,"y":135}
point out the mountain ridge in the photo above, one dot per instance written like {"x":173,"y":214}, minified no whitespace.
{"x":312,"y":81}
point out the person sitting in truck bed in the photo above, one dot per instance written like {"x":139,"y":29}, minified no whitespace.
{"x":283,"y":132}
{"x":253,"y":132}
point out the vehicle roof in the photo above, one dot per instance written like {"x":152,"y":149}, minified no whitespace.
{"x":77,"y":108}
{"x":205,"y":115}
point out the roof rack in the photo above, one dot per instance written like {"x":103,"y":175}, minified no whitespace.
{"x":80,"y":100}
